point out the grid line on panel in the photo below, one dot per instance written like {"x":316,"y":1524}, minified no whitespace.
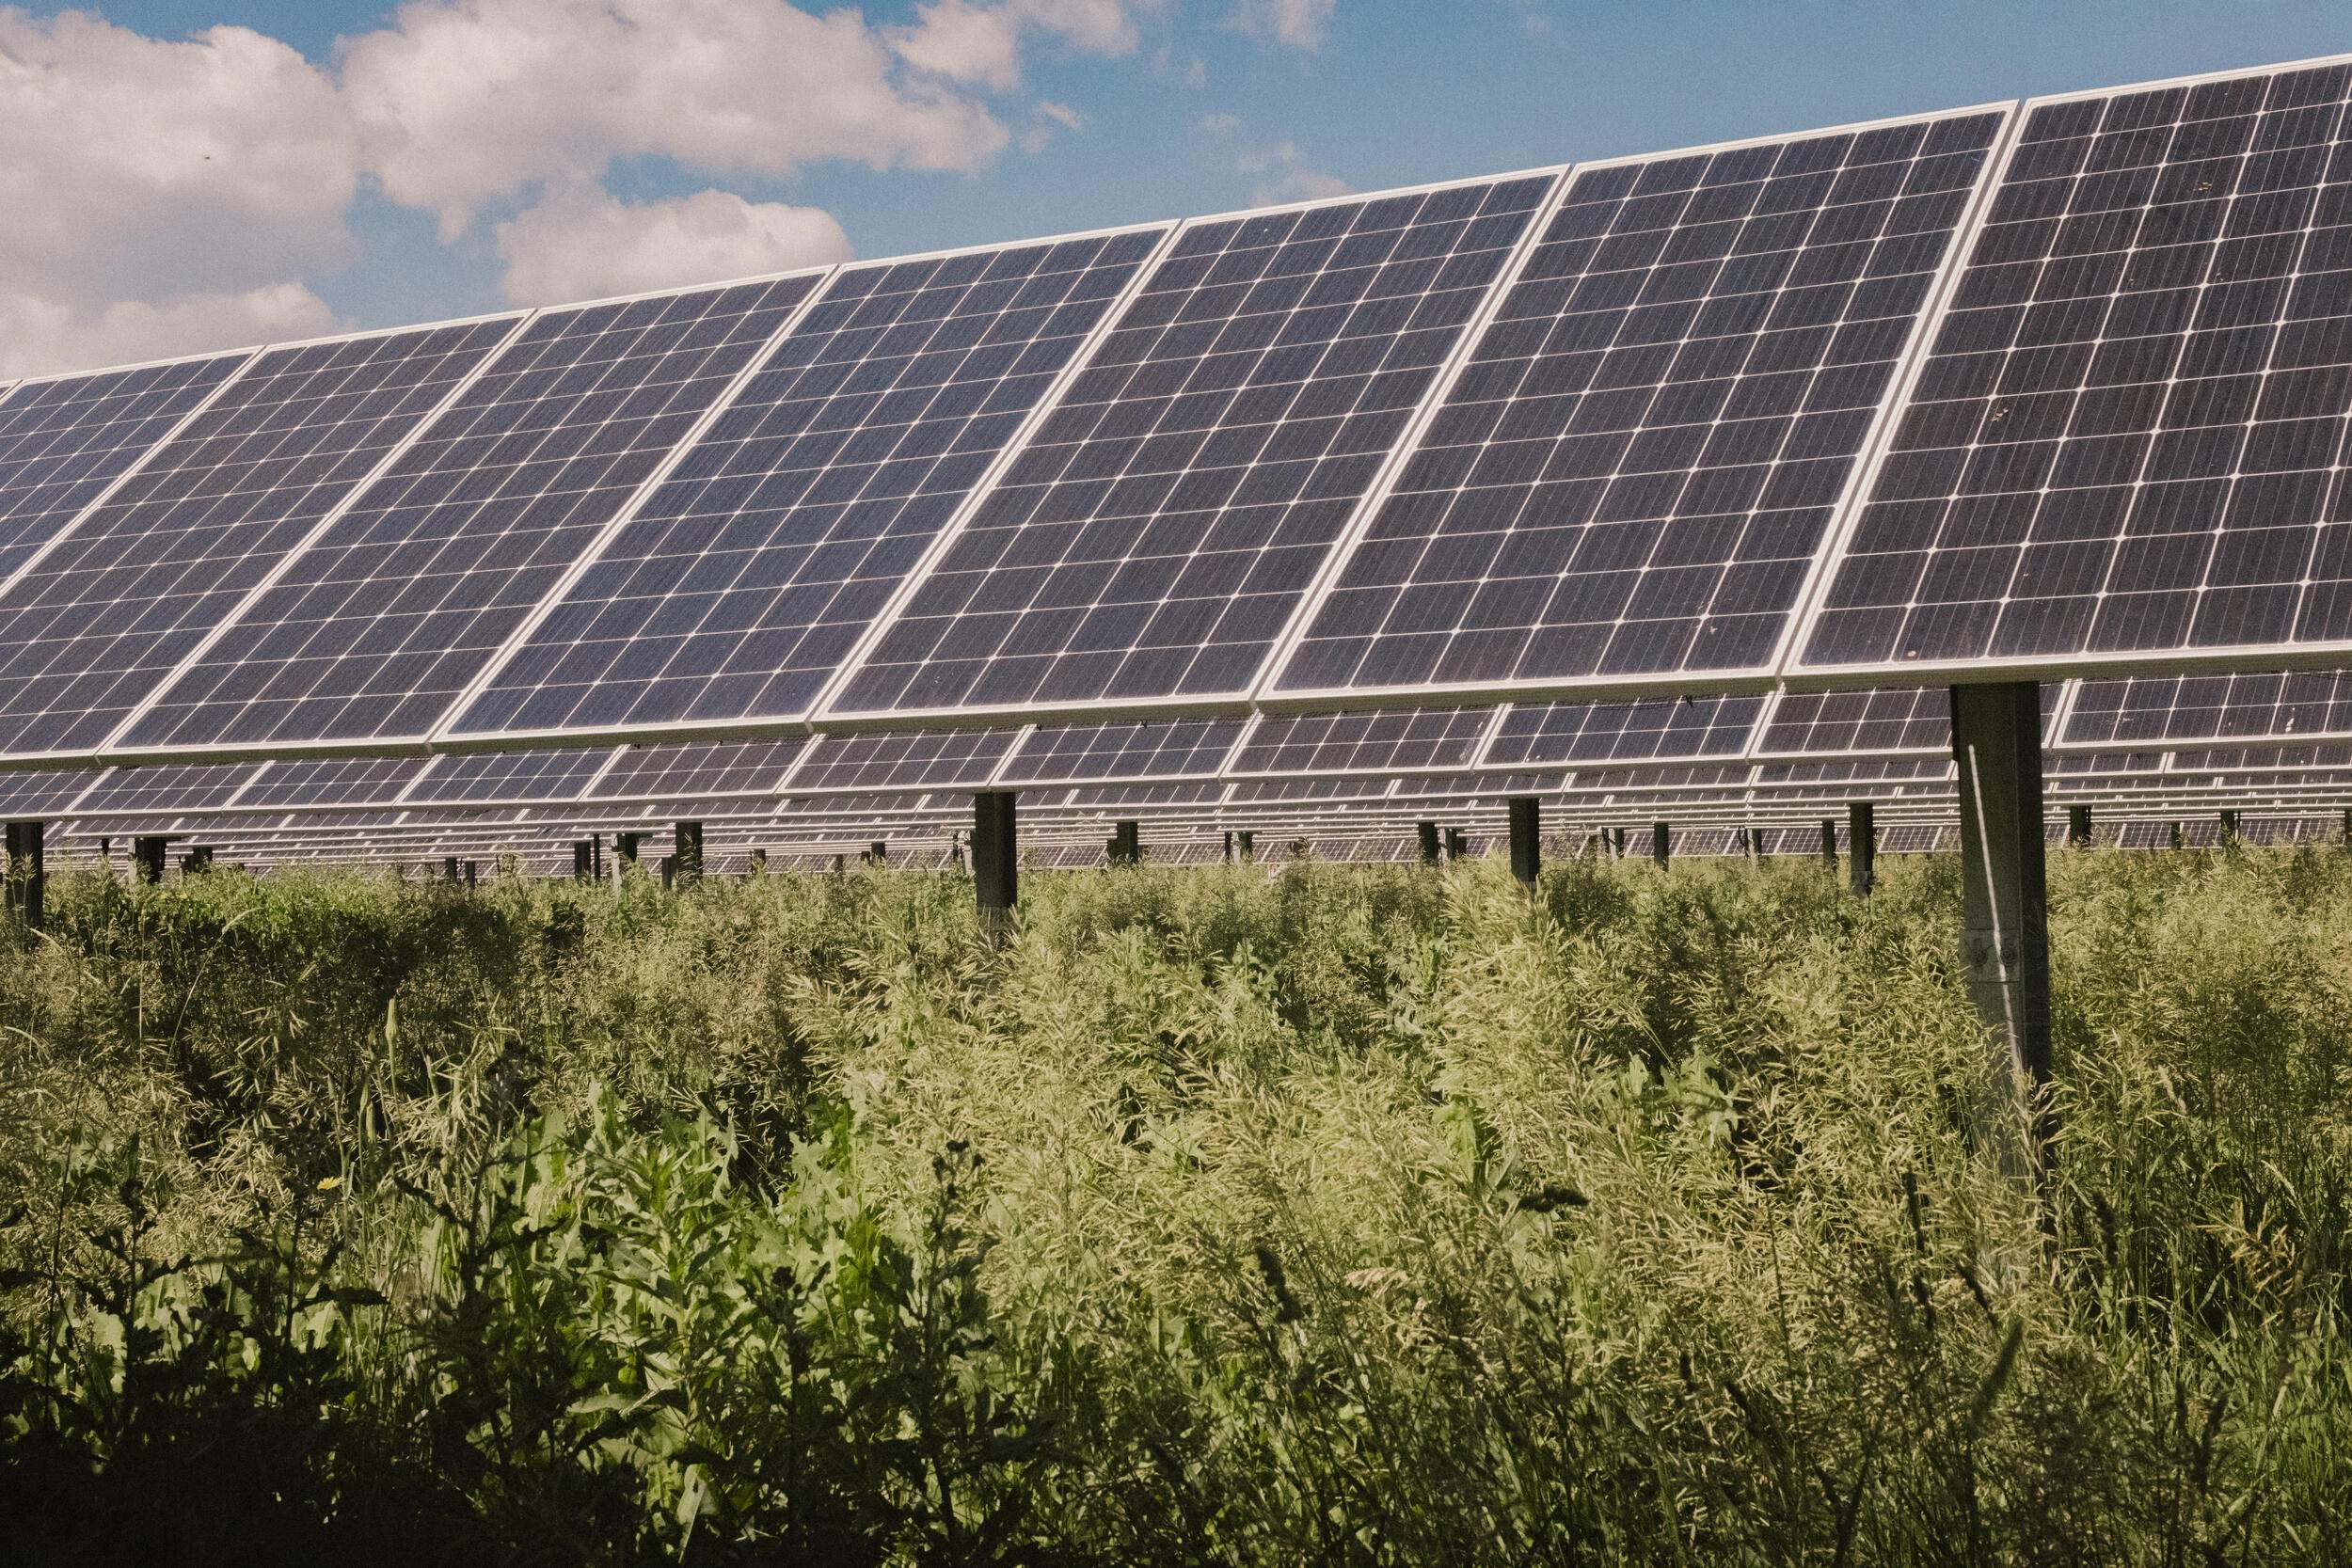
{"x":2129,"y":433}
{"x":701,"y":768}
{"x":1153,"y":537}
{"x":64,"y":442}
{"x":897,"y":760}
{"x":747,"y":579}
{"x":1644,"y":449}
{"x":27,"y":793}
{"x":1097,"y":754}
{"x":2273,"y":705}
{"x":103,"y":616}
{"x":1652,"y":729}
{"x":1386,"y":740}
{"x":373,"y":629}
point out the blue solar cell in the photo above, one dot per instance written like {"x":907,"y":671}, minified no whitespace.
{"x":1155,"y":535}
{"x":376,"y":628}
{"x":1636,"y":467}
{"x":735,"y":592}
{"x":63,"y":441}
{"x":94,"y":626}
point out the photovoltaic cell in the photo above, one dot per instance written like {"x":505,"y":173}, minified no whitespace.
{"x":1094,"y":754}
{"x":2130,"y":432}
{"x":62,"y":442}
{"x":882,"y":760}
{"x":375,"y":629}
{"x":733,"y":768}
{"x":331,"y":782}
{"x":1905,"y":719}
{"x":101,"y":619}
{"x":505,"y":777}
{"x":1677,"y":729}
{"x":1641,"y":458}
{"x":744,"y":582}
{"x":1155,"y":536}
{"x":1383,"y":741}
{"x":2269,"y":705}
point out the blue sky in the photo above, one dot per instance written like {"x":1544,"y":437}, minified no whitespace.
{"x":1194,"y":106}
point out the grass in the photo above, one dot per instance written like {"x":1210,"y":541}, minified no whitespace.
{"x":1350,"y":1216}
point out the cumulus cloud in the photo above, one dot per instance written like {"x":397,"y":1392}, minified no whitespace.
{"x":582,"y":243}
{"x":202,"y":174}
{"x":461,"y":101}
{"x":1298,"y":24}
{"x":39,"y":333}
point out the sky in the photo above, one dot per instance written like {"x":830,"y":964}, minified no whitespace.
{"x":185,"y":175}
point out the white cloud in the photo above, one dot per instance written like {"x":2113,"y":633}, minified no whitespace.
{"x":1218,"y":124}
{"x":582,"y":243}
{"x":40,"y":333}
{"x":1295,"y":23}
{"x":1184,"y":69}
{"x":971,"y":42}
{"x":462,"y":102}
{"x":205,"y":174}
{"x":1048,"y":117}
{"x":1285,"y":175}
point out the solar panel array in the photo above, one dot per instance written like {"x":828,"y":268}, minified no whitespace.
{"x":1690,"y":477}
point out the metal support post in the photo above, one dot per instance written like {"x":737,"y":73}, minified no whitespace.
{"x":449,"y":868}
{"x":1228,"y":846}
{"x":669,"y":872}
{"x":1527,"y":838}
{"x":583,"y":862}
{"x":686,"y":854}
{"x":1427,"y":833}
{"x":2005,"y":933}
{"x":2078,"y":827}
{"x":760,"y":863}
{"x":147,"y":853}
{"x":878,"y":853}
{"x":1246,"y":843}
{"x":1862,"y":846}
{"x":2179,"y":836}
{"x":472,"y":868}
{"x":1126,"y":846}
{"x":198,"y":858}
{"x":1616,"y":842}
{"x":1457,"y":844}
{"x":996,"y":856}
{"x":1829,"y":844}
{"x":2229,"y":830}
{"x":27,"y":883}
{"x":1661,"y":843}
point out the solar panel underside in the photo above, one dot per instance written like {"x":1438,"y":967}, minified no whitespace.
{"x":97,"y":624}
{"x":1155,"y":535}
{"x":62,"y":442}
{"x":2129,"y":435}
{"x":2181,"y":708}
{"x":1676,"y":729}
{"x":375,"y":629}
{"x":1642,"y":456}
{"x":739,"y":588}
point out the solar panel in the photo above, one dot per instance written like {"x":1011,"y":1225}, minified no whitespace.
{"x":506,"y":777}
{"x":2263,"y":704}
{"x":1676,"y":729}
{"x":331,"y":782}
{"x":64,"y":441}
{"x":1641,"y":455}
{"x":1095,"y":753}
{"x":902,"y":760}
{"x":95,"y":625}
{"x":702,"y":768}
{"x":165,"y":787}
{"x":2129,"y":433}
{"x":739,"y":587}
{"x":373,"y":631}
{"x":30,"y":794}
{"x":1153,"y":537}
{"x":1894,"y":719}
{"x":1391,"y":740}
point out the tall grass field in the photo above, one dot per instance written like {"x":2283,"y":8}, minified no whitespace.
{"x":1327,"y":1216}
